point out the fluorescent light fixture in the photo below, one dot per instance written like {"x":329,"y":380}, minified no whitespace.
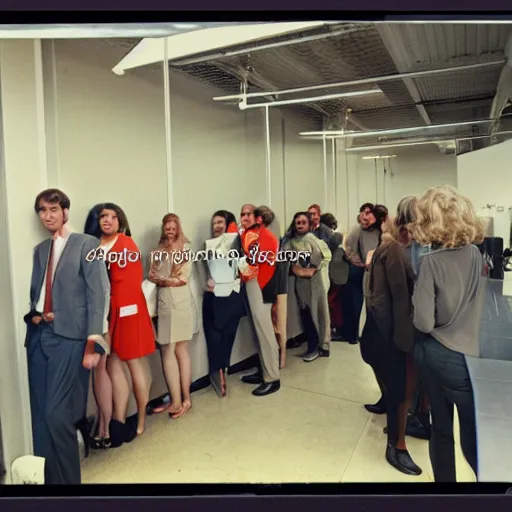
{"x":313,"y":99}
{"x":185,"y":26}
{"x":385,"y":157}
{"x":398,"y":145}
{"x":195,"y":42}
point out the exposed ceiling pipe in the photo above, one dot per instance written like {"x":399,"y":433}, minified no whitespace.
{"x":377,"y":133}
{"x":503,"y":97}
{"x":506,"y":132}
{"x":362,"y":81}
{"x":243,"y":105}
{"x":398,"y":144}
{"x":416,"y":142}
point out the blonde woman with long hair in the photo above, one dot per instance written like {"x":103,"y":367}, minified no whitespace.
{"x":447,"y":307}
{"x":171,"y":267}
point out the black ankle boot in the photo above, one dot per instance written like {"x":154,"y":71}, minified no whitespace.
{"x":121,"y":433}
{"x":378,"y":408}
{"x":418,"y":426}
{"x":402,"y":461}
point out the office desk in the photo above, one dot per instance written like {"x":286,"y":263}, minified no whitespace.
{"x":491,"y":376}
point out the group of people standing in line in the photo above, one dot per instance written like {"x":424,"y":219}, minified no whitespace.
{"x":315,"y":299}
{"x":424,"y":286}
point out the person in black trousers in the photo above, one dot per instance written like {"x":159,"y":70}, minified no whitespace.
{"x":223,"y":306}
{"x":388,"y":335}
{"x":361,"y":239}
{"x":448,"y":300}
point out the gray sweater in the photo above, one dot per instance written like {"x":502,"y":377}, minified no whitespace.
{"x":359,"y":243}
{"x":448,"y":297}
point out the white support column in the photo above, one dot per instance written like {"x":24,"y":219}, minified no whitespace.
{"x":343,"y":186}
{"x":23,"y":174}
{"x":51,"y":114}
{"x":168,"y":131}
{"x":267,"y":158}
{"x":325,"y":206}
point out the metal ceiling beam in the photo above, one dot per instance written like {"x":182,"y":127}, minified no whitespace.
{"x":453,"y":105}
{"x":362,"y":81}
{"x":503,"y":97}
{"x":398,"y":53}
{"x":257,"y":47}
{"x":217,"y":40}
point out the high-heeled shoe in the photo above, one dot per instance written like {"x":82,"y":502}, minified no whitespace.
{"x":83,"y":426}
{"x":100,"y":443}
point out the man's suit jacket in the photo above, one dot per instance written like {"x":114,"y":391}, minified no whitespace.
{"x":80,"y":290}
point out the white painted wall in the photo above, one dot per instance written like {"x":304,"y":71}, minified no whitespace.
{"x":414,"y":169}
{"x":484,"y":177}
{"x":417,"y":168}
{"x":23,"y":175}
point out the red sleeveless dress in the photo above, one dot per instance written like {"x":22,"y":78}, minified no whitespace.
{"x":130,"y":326}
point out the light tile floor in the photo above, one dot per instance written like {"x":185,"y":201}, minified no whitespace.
{"x":315,"y":429}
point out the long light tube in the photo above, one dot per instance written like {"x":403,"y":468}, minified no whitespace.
{"x":385,"y":157}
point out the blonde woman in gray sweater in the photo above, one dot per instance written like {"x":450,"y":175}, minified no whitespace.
{"x":447,"y":310}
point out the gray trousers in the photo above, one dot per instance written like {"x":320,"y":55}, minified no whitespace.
{"x":259,"y":315}
{"x":54,"y":375}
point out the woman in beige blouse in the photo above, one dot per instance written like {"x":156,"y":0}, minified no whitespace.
{"x":171,"y":266}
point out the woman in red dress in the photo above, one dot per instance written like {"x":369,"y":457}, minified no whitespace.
{"x":129,"y":323}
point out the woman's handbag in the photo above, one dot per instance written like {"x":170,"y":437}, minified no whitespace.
{"x":150,"y":292}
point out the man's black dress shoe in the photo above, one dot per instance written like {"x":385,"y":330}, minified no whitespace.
{"x":378,"y":408}
{"x":402,"y":461}
{"x":254,"y":378}
{"x":324,"y":352}
{"x":267,"y":388}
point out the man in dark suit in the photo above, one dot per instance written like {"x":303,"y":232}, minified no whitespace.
{"x":69,"y":297}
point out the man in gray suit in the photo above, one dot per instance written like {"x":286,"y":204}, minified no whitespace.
{"x":69,"y":299}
